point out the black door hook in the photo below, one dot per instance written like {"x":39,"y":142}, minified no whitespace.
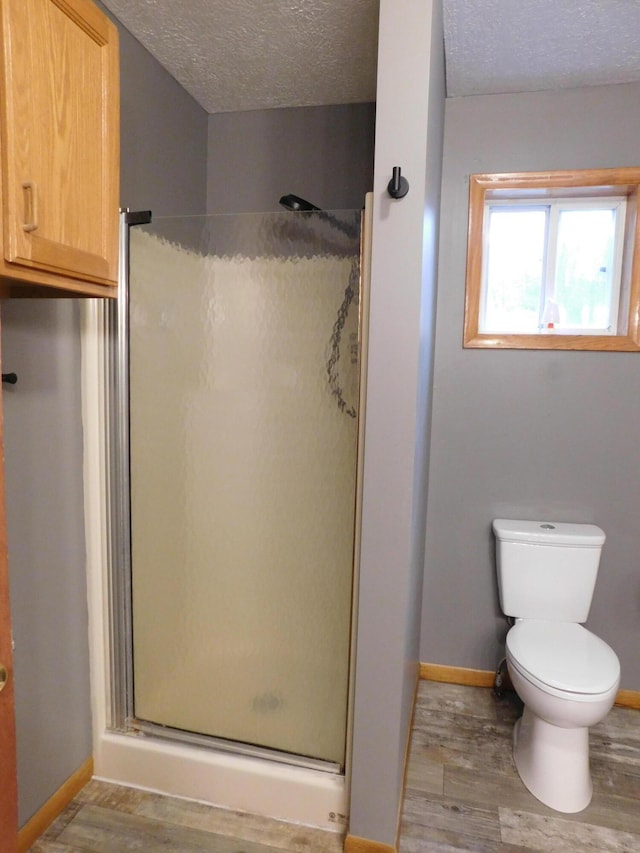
{"x":11,"y":378}
{"x":398,"y":186}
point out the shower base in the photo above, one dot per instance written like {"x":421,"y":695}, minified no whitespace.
{"x":257,"y":786}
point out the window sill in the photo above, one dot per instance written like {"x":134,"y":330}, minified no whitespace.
{"x":553,"y":341}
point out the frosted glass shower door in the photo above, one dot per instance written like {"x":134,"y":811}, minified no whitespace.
{"x":243,"y":392}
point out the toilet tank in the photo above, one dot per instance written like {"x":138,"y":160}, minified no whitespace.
{"x":547,"y":569}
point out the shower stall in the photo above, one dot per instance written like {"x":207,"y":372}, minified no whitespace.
{"x":235,"y":376}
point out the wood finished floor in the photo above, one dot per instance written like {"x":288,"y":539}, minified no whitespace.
{"x":462,"y":793}
{"x":106,"y":818}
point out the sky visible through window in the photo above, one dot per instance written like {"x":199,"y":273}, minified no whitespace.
{"x":548,"y":268}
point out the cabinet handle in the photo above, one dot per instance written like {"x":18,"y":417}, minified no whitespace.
{"x":30,"y":206}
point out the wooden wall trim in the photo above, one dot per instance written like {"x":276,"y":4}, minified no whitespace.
{"x":456,"y":675}
{"x":628,"y":699}
{"x":44,"y":817}
{"x":355,"y":844}
{"x":484,"y":678}
{"x":407,"y":751}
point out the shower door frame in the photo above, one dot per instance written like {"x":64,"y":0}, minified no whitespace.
{"x":121,"y":713}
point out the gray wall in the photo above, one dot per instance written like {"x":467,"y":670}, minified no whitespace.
{"x":323,"y":154}
{"x":163,"y":137}
{"x":522,"y":434}
{"x":403,"y":286}
{"x":45,"y":526}
{"x":164,"y":144}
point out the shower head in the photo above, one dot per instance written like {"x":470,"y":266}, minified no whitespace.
{"x":300,"y":205}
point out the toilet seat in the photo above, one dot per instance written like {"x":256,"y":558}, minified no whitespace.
{"x":563,"y":658}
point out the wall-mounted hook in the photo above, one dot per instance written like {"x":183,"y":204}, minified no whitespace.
{"x":11,"y":378}
{"x":398,"y":186}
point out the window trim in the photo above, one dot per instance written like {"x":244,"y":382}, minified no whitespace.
{"x":538,"y":186}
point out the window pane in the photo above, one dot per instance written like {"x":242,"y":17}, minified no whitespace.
{"x":514,"y":270}
{"x":584,"y":268}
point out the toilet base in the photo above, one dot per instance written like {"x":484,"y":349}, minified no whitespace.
{"x":553,"y":762}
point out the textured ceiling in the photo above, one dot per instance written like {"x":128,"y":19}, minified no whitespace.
{"x":521,"y":46}
{"x":256,"y":54}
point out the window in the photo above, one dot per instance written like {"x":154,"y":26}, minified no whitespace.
{"x":553,"y":261}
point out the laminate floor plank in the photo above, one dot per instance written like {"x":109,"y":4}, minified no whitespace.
{"x":474,"y":821}
{"x":461,"y":740}
{"x":109,"y":818}
{"x":102,"y":830}
{"x":559,"y":835}
{"x":424,"y":775}
{"x":54,"y":830}
{"x":110,"y":796}
{"x":187,"y":813}
{"x":442,"y":697}
{"x":428,"y":839}
{"x":608,"y":779}
{"x":485,"y":788}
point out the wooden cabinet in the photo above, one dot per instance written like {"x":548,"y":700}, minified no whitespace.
{"x":59,"y":147}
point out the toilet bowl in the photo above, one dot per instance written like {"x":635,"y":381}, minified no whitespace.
{"x":567,"y":678}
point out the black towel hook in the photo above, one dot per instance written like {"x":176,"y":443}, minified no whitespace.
{"x":10,"y":378}
{"x":398,"y":186}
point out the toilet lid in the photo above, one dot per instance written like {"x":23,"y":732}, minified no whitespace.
{"x":563,"y":655}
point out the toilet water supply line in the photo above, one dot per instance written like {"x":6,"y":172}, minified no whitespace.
{"x":498,"y":682}
{"x":501,"y":669}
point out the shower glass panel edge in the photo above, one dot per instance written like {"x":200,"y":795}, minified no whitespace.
{"x":123,"y":716}
{"x":118,"y":505}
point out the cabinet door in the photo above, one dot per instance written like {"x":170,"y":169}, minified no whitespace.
{"x":60,"y":138}
{"x":8,"y":777}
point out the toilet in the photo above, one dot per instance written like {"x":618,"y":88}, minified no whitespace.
{"x":566,"y":676}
